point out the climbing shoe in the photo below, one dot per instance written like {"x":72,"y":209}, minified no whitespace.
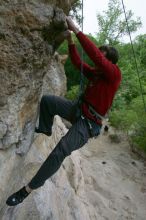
{"x":106,"y":128}
{"x":48,"y":133}
{"x":17,"y":197}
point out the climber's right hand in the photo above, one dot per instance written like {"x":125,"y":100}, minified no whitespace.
{"x":68,"y":36}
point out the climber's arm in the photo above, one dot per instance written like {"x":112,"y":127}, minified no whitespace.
{"x":110,"y":70}
{"x":75,"y":57}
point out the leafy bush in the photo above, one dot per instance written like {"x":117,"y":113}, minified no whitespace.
{"x":132,"y":119}
{"x":123,"y":119}
{"x":72,"y":94}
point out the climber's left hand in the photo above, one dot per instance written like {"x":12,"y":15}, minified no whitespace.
{"x":71,"y":25}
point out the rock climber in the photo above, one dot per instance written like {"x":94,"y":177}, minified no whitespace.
{"x":103,"y":81}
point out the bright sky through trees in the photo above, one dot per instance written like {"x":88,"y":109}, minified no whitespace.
{"x":92,"y":7}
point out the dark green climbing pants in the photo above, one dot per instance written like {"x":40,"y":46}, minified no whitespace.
{"x":74,"y":139}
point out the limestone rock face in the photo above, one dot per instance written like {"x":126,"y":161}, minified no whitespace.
{"x":27,"y":40}
{"x":103,"y":180}
{"x":29,"y":68}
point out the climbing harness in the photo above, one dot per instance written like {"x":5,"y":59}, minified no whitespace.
{"x":95,"y":113}
{"x":136,"y":65}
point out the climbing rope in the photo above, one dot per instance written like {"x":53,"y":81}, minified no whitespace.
{"x":81,"y":88}
{"x":135,"y":60}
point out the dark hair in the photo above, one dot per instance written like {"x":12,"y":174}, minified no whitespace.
{"x":111,"y":53}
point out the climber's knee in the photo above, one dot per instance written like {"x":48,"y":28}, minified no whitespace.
{"x":61,"y":151}
{"x":48,"y":101}
{"x":44,"y":99}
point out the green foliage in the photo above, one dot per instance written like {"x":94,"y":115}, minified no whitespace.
{"x":139,"y":134}
{"x":119,"y":101}
{"x":132,"y":119}
{"x":140,"y":48}
{"x":123,"y":119}
{"x":72,"y":94}
{"x":130,"y":86}
{"x":112,"y":23}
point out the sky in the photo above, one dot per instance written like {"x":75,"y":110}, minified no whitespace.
{"x":92,"y":7}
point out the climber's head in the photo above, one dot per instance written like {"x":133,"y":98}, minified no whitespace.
{"x":110,"y":53}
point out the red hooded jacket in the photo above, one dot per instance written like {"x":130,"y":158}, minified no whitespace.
{"x":104,"y":78}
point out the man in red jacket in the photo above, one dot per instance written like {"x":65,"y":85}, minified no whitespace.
{"x":103,"y":81}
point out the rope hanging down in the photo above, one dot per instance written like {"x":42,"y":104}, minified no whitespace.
{"x":137,"y":70}
{"x":81,"y":88}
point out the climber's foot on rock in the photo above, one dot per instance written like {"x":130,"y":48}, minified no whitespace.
{"x":17,"y":197}
{"x":48,"y":133}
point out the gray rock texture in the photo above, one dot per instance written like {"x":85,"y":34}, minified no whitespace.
{"x":29,"y":68}
{"x":27,"y":39}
